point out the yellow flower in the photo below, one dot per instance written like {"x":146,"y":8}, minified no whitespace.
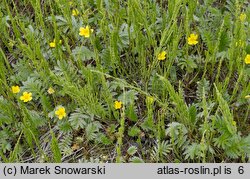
{"x":162,"y":55}
{"x":247,"y":59}
{"x":75,"y":147}
{"x":233,"y":123}
{"x":15,"y":89}
{"x":60,"y":112}
{"x":118,"y":104}
{"x":104,"y":157}
{"x":85,"y":31}
{"x":247,"y":97}
{"x":192,"y":39}
{"x":50,"y":90}
{"x":53,"y":44}
{"x":75,"y":12}
{"x":240,"y":43}
{"x":26,"y":96}
{"x":150,"y":99}
{"x":243,"y":17}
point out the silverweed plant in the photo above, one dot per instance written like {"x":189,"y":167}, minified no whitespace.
{"x":124,"y":81}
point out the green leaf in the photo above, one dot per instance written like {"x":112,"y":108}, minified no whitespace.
{"x":78,"y":120}
{"x":92,"y":129}
{"x":103,"y":139}
{"x":132,"y":150}
{"x":134,"y":131}
{"x":130,"y":96}
{"x":202,"y":84}
{"x":226,"y":113}
{"x":248,"y":49}
{"x":192,"y":151}
{"x":33,"y":85}
{"x":55,"y":149}
{"x":65,"y":144}
{"x":148,"y":124}
{"x":44,"y":100}
{"x":192,"y":114}
{"x":161,"y":151}
{"x":178,"y":134}
{"x":131,"y":113}
{"x":82,"y":53}
{"x":181,"y":109}
{"x":37,"y":119}
{"x":224,"y":41}
{"x":65,"y":126}
{"x":136,"y":160}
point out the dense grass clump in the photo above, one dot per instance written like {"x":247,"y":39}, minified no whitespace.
{"x":124,"y":81}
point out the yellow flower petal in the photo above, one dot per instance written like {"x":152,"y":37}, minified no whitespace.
{"x":26,"y":97}
{"x":150,"y":99}
{"x":85,"y":31}
{"x":193,"y":39}
{"x":50,"y":90}
{"x":60,"y":112}
{"x":118,"y":104}
{"x":75,"y":12}
{"x":75,"y":147}
{"x":53,"y":44}
{"x":243,"y":17}
{"x":247,"y":59}
{"x":15,"y":89}
{"x":247,"y":97}
{"x":162,"y":55}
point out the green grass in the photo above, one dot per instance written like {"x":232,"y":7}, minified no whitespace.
{"x":192,"y":106}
